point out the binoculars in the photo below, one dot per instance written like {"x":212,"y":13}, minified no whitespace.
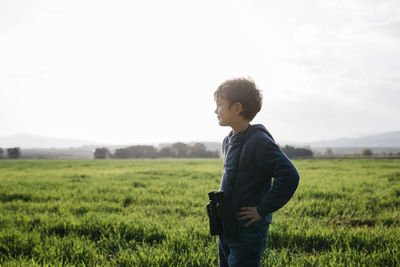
{"x":215,"y":212}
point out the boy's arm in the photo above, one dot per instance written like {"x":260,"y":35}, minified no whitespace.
{"x":272,"y":160}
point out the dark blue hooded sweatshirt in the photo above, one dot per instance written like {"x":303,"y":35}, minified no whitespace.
{"x":260,"y":161}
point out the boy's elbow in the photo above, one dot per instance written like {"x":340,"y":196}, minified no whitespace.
{"x":296,"y":175}
{"x":292,"y":179}
{"x":295,"y":179}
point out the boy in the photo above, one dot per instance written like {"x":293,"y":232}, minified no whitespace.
{"x":251,"y":159}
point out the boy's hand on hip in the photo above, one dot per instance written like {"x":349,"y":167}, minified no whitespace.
{"x":248,"y":213}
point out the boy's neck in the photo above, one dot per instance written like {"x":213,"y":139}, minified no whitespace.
{"x":240,"y":126}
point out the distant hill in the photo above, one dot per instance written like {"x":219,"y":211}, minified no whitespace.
{"x":35,"y":141}
{"x":391,"y":139}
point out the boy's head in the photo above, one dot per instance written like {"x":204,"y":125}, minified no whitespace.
{"x":241,"y":91}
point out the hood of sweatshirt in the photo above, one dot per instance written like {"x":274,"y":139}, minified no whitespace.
{"x":260,"y":127}
{"x":238,"y":137}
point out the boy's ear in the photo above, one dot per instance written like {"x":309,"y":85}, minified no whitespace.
{"x":237,"y":108}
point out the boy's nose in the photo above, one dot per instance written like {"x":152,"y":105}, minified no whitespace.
{"x":215,"y":111}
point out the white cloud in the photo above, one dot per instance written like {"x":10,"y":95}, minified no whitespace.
{"x":123,"y":71}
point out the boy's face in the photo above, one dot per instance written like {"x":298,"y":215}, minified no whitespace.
{"x":226,"y":116}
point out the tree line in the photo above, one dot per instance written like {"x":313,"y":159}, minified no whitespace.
{"x":11,"y":153}
{"x":182,"y":150}
{"x":176,"y":150}
{"x":293,"y":152}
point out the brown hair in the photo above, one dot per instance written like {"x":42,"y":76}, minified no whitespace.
{"x":244,"y":91}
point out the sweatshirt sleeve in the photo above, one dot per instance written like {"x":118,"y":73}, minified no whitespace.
{"x":273,"y":161}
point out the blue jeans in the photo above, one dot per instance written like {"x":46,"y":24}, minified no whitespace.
{"x":246,"y":249}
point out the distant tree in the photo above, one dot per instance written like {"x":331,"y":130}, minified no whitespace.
{"x":179,"y":150}
{"x":366,"y":152}
{"x":288,"y":150}
{"x":304,"y":153}
{"x":121,"y":153}
{"x":328,"y":151}
{"x":198,"y":150}
{"x":102,"y":153}
{"x":293,"y":152}
{"x":141,"y":151}
{"x":182,"y":150}
{"x":2,"y":153}
{"x":14,"y":153}
{"x":165,"y":152}
{"x":176,"y":150}
{"x":215,"y":154}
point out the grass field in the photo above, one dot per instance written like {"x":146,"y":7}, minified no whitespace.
{"x":152,"y":213}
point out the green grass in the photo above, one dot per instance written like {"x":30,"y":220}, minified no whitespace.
{"x":152,"y":213}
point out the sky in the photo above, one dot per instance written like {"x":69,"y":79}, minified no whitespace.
{"x":145,"y":71}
